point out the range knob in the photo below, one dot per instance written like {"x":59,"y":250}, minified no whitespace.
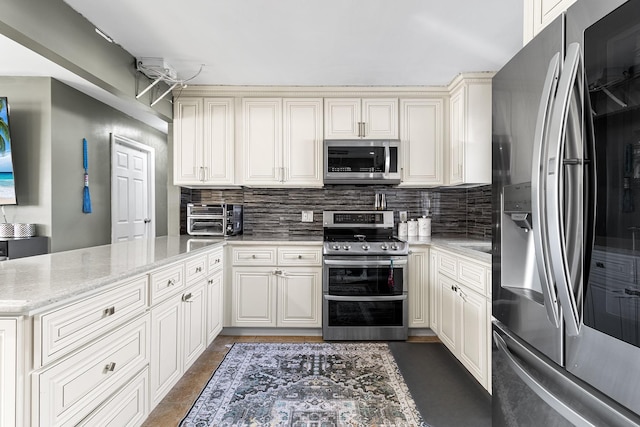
{"x":346,"y":247}
{"x":384,"y":247}
{"x":335,"y":247}
{"x":395,"y":247}
{"x":366,"y":247}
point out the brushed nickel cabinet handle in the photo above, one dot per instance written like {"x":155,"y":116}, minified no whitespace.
{"x":187,"y":297}
{"x":110,"y":367}
{"x":171,"y":283}
{"x":109,"y":311}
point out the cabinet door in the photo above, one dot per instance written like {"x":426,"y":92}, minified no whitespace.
{"x":422,"y":142}
{"x":187,"y":141}
{"x":448,"y":312}
{"x":457,"y":137}
{"x":166,"y":347}
{"x":128,"y":407}
{"x":380,"y":117}
{"x":419,"y":288}
{"x":194,"y":310}
{"x":473,"y":333}
{"x":434,"y":292}
{"x":342,"y":118}
{"x":299,"y":301}
{"x":214,"y":305}
{"x":8,"y":375}
{"x":253,"y":296}
{"x":302,"y":139}
{"x":218,"y":147}
{"x":539,"y":13}
{"x":262,"y":141}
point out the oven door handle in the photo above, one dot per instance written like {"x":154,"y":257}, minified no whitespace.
{"x":366,"y":298}
{"x":364,"y":263}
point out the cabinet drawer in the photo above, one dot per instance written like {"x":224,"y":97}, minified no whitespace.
{"x":448,"y":264}
{"x":166,"y":282}
{"x":300,"y":256}
{"x":196,"y":269}
{"x":214,"y":260}
{"x":473,"y":275}
{"x":61,"y":331}
{"x":254,"y":256}
{"x":128,"y":407}
{"x":68,"y":391}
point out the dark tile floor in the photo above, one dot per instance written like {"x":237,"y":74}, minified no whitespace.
{"x":177,"y":403}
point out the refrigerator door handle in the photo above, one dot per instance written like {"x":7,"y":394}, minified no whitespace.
{"x":538,"y":176}
{"x":557,"y":190}
{"x":551,"y":399}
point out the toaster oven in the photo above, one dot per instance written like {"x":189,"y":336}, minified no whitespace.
{"x":214,"y":220}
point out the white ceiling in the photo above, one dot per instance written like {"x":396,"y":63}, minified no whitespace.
{"x":315,"y":42}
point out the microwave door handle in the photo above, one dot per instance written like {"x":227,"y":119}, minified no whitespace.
{"x":538,"y":174}
{"x":558,"y":137}
{"x":387,"y":159}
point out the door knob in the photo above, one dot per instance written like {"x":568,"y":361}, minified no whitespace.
{"x":147,"y":220}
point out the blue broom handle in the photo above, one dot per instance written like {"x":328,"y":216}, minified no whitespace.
{"x":85,"y":156}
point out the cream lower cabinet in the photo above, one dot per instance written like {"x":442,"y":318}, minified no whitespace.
{"x":9,"y":392}
{"x":184,"y":322}
{"x":215,"y":286}
{"x":463,"y":312}
{"x":276,"y":287}
{"x":178,"y":335}
{"x":67,"y":391}
{"x":418,"y":287}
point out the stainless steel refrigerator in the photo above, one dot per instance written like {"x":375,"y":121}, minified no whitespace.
{"x":566,"y":223}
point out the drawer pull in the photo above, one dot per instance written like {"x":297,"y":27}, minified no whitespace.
{"x":210,"y":281}
{"x":110,"y":311}
{"x":110,"y":367}
{"x":171,"y":282}
{"x":187,"y":297}
{"x":299,"y":256}
{"x":253,"y":256}
{"x":198,"y":269}
{"x":217,"y":260}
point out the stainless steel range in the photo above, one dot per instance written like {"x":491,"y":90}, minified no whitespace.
{"x":364,"y":277}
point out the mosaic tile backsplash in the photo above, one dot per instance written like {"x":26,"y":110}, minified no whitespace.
{"x":277,"y":212}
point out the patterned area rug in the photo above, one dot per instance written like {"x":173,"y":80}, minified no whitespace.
{"x":306,"y":385}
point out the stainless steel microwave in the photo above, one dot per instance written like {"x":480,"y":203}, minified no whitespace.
{"x":361,"y":161}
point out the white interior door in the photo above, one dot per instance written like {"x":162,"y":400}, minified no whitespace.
{"x":132,"y":190}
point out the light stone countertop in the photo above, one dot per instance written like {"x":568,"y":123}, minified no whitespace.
{"x":30,"y":285}
{"x":471,"y":248}
{"x":27,"y":285}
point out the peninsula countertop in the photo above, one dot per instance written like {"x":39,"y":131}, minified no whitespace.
{"x":30,"y":284}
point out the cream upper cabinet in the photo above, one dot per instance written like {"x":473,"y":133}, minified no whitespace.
{"x":469,"y":150}
{"x":204,"y":141}
{"x":282,"y":142}
{"x":361,"y":118}
{"x":422,"y":136}
{"x":302,"y":142}
{"x":539,"y":13}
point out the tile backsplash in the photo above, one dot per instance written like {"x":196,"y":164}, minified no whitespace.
{"x":268,"y":211}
